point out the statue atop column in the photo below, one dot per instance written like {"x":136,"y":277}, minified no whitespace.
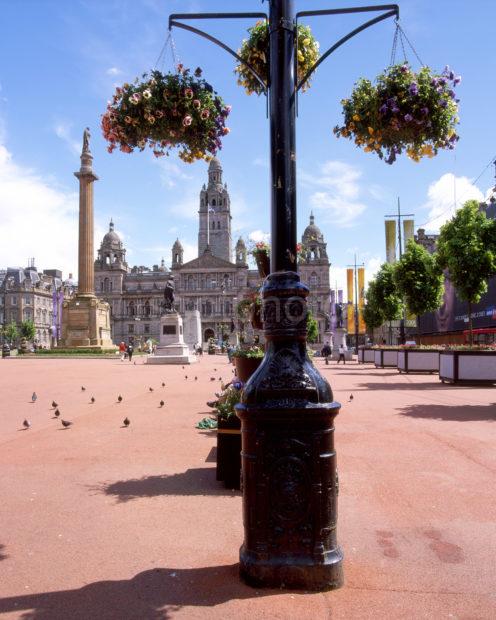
{"x":168,"y":303}
{"x":86,"y":140}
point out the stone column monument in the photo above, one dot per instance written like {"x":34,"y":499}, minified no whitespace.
{"x":86,"y":319}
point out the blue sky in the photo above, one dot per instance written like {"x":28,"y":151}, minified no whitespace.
{"x":60,"y":62}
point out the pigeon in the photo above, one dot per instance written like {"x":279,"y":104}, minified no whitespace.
{"x":151,"y":389}
{"x":83,"y":389}
{"x":163,"y":384}
{"x":34,"y":397}
{"x":54,"y":404}
{"x":119,"y":398}
{"x":212,"y":378}
{"x":66,"y":423}
{"x":162,"y":403}
{"x":185,"y":376}
{"x":26,"y":424}
{"x":92,"y":399}
{"x":351,"y":397}
{"x":56,"y":413}
{"x":183,"y":367}
{"x":126,"y":422}
{"x":196,"y":378}
{"x":134,"y":363}
{"x":220,"y":378}
{"x":215,"y":369}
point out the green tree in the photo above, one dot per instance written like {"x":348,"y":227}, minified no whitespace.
{"x":465,"y":248}
{"x":419,"y":280}
{"x":28,"y":330}
{"x":312,"y":328}
{"x":10,"y":332}
{"x":386,"y":293}
{"x":372,"y":313}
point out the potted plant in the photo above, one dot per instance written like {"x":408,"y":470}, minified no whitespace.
{"x":211,"y":346}
{"x":247,"y":360}
{"x":251,"y":308}
{"x":255,"y":52}
{"x":404,"y":110}
{"x":165,"y":111}
{"x":470,"y":364}
{"x":228,"y":467}
{"x":418,"y":359}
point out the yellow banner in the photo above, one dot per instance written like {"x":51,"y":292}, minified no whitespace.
{"x":408,"y":231}
{"x":361,"y":299}
{"x":390,"y":240}
{"x":350,"y":309}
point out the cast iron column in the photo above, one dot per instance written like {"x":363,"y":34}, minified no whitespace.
{"x":289,"y":475}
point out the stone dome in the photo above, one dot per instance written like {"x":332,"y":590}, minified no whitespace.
{"x":177,"y":245}
{"x":214,"y":164}
{"x":240,"y":243}
{"x":111,"y":239}
{"x":312,"y":232}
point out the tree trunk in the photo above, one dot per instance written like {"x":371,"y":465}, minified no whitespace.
{"x":471,"y":334}
{"x":417,"y":321}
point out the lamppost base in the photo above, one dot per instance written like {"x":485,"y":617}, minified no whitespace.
{"x":292,"y":573}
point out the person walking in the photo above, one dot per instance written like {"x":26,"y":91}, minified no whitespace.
{"x":341,"y":354}
{"x":122,"y":350}
{"x":326,"y":352}
{"x":130,"y":350}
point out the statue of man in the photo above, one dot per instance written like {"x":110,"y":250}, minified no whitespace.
{"x":86,"y":140}
{"x":169,"y":296}
{"x":339,"y":315}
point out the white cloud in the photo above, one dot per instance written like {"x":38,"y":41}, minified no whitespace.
{"x":446,"y":195}
{"x":62,"y":130}
{"x":114,"y":71}
{"x":337,"y":201}
{"x":170,"y":172}
{"x":38,"y":219}
{"x":258,"y":235}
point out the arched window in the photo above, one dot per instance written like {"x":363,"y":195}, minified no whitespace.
{"x":131,"y":309}
{"x":101,"y":286}
{"x":218,"y":225}
{"x":314,"y":279}
{"x":213,"y":202}
{"x":213,"y":226}
{"x":110,"y":288}
{"x":107,"y":259}
{"x":147,"y":308}
{"x":106,"y":285}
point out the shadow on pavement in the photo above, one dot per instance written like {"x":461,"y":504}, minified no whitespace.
{"x":452,"y":413}
{"x":371,"y":374}
{"x":3,"y":556}
{"x":199,"y":481}
{"x":434,"y":385}
{"x":151,"y":595}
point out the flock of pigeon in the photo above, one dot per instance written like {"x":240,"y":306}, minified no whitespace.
{"x":125,"y":423}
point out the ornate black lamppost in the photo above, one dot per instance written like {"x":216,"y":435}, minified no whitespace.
{"x":289,"y":475}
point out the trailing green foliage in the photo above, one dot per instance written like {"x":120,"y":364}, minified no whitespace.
{"x":312,"y":328}
{"x":28,"y":330}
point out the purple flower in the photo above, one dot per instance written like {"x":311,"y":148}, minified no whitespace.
{"x":413,"y":89}
{"x":383,"y":109}
{"x":395,"y":109}
{"x":457,"y":80}
{"x":238,"y":385}
{"x":442,"y":81}
{"x":451,"y":93}
{"x":404,"y":68}
{"x":434,"y":82}
{"x":443,"y":103}
{"x":424,"y":110}
{"x":391,"y":101}
{"x":408,"y":118}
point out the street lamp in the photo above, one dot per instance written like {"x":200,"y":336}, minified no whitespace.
{"x":289,"y":474}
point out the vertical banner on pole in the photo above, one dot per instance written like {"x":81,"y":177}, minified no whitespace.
{"x":390,"y":240}
{"x":361,"y":299}
{"x":407,"y":231}
{"x":350,"y":309}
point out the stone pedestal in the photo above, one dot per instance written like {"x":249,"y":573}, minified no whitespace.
{"x":338,"y":340}
{"x":172,"y":349}
{"x":192,"y":328}
{"x":86,"y":323}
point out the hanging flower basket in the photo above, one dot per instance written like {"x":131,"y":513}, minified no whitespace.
{"x":165,"y":111}
{"x":416,"y":112}
{"x":255,"y":51}
{"x":261,"y":254}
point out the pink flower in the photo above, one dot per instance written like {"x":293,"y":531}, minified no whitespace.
{"x":197,"y":104}
{"x":126,"y":149}
{"x":128,"y":120}
{"x":187,"y":120}
{"x":159,"y":114}
{"x":225,"y":130}
{"x":205,"y":113}
{"x":188,"y":93}
{"x":151,"y":119}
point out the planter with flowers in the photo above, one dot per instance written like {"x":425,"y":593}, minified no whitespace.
{"x":418,"y":359}
{"x":385,"y":357}
{"x":228,"y":467}
{"x":366,"y":355}
{"x":165,"y":111}
{"x":471,"y":365}
{"x":261,"y":254}
{"x":255,"y":51}
{"x":405,"y":110}
{"x":247,"y":360}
